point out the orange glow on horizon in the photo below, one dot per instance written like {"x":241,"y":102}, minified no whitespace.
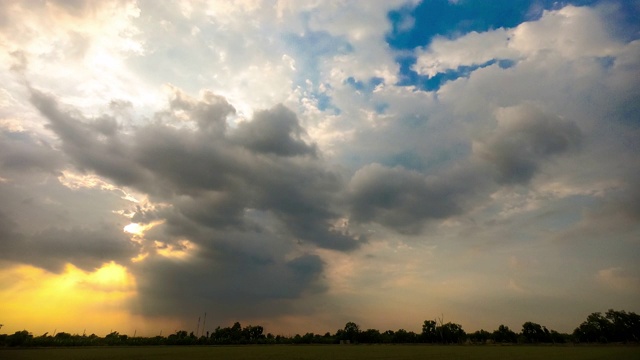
{"x":39,"y":301}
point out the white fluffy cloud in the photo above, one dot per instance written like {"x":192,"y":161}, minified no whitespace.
{"x":571,"y":33}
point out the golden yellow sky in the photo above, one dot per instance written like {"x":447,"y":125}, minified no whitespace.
{"x":72,"y":301}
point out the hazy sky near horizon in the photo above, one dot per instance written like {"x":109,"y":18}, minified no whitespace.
{"x":301,"y":164}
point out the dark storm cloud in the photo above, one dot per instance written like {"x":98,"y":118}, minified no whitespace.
{"x":8,"y":233}
{"x":54,"y":247}
{"x":20,"y":152}
{"x":184,"y":161}
{"x":513,"y":153}
{"x":274,"y":131}
{"x":236,"y":272}
{"x":524,"y":138}
{"x":249,"y":200}
{"x":87,"y":249}
{"x":631,"y":202}
{"x":209,"y":177}
{"x":210,"y":113}
{"x":91,"y":145}
{"x":623,"y":203}
{"x":29,"y":193}
{"x":245,"y":275}
{"x":34,"y":228}
{"x":403,"y":199}
{"x":212,"y":209}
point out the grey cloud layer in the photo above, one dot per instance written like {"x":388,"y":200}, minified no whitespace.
{"x":246,"y":197}
{"x":275,"y":131}
{"x":235,"y":275}
{"x":20,"y":152}
{"x":512,"y":153}
{"x":525,"y":137}
{"x":85,"y":248}
{"x":45,"y":223}
{"x":48,"y":225}
{"x":211,"y":175}
{"x":402,"y":199}
{"x":263,"y":164}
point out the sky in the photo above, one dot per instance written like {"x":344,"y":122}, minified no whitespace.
{"x":302,"y":164}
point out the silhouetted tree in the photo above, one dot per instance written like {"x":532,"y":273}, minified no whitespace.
{"x":235,"y":333}
{"x":596,"y":328}
{"x":113,"y":338}
{"x":618,"y":326}
{"x":613,"y":326}
{"x":403,"y":336}
{"x":19,"y":338}
{"x":535,"y":333}
{"x":504,"y":335}
{"x":451,"y":333}
{"x":351,"y":331}
{"x":370,"y":336}
{"x":387,"y":336}
{"x":481,"y":336}
{"x":429,"y":332}
{"x":252,"y":333}
{"x":559,"y":338}
{"x":624,"y":326}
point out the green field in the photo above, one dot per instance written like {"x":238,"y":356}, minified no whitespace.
{"x":333,"y":352}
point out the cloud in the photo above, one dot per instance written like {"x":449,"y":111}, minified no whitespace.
{"x":524,"y":138}
{"x":87,"y":143}
{"x":245,"y":206}
{"x":45,"y":224}
{"x":7,"y":229}
{"x":21,"y":152}
{"x":88,"y":249}
{"x":244,"y":275}
{"x":471,"y":49}
{"x":403,"y":199}
{"x":274,"y":131}
{"x":569,"y":32}
{"x":31,"y":231}
{"x":210,"y":113}
{"x":617,"y":278}
{"x":35,"y":204}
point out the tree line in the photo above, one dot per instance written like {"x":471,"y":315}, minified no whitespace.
{"x":612,"y":326}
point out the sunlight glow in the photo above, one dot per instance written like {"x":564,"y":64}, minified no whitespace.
{"x":140,"y":257}
{"x":181,"y":251}
{"x":77,"y":181}
{"x":138,"y":229}
{"x":74,"y":299}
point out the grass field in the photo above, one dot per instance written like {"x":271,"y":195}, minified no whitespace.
{"x":333,"y":352}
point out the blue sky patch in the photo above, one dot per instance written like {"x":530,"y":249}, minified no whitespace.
{"x":381,"y":107}
{"x":368,"y":86}
{"x":423,"y":82}
{"x":444,"y":18}
{"x":310,"y":47}
{"x":433,"y":18}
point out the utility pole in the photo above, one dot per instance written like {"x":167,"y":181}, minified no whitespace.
{"x":441,"y":320}
{"x":204,"y":322}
